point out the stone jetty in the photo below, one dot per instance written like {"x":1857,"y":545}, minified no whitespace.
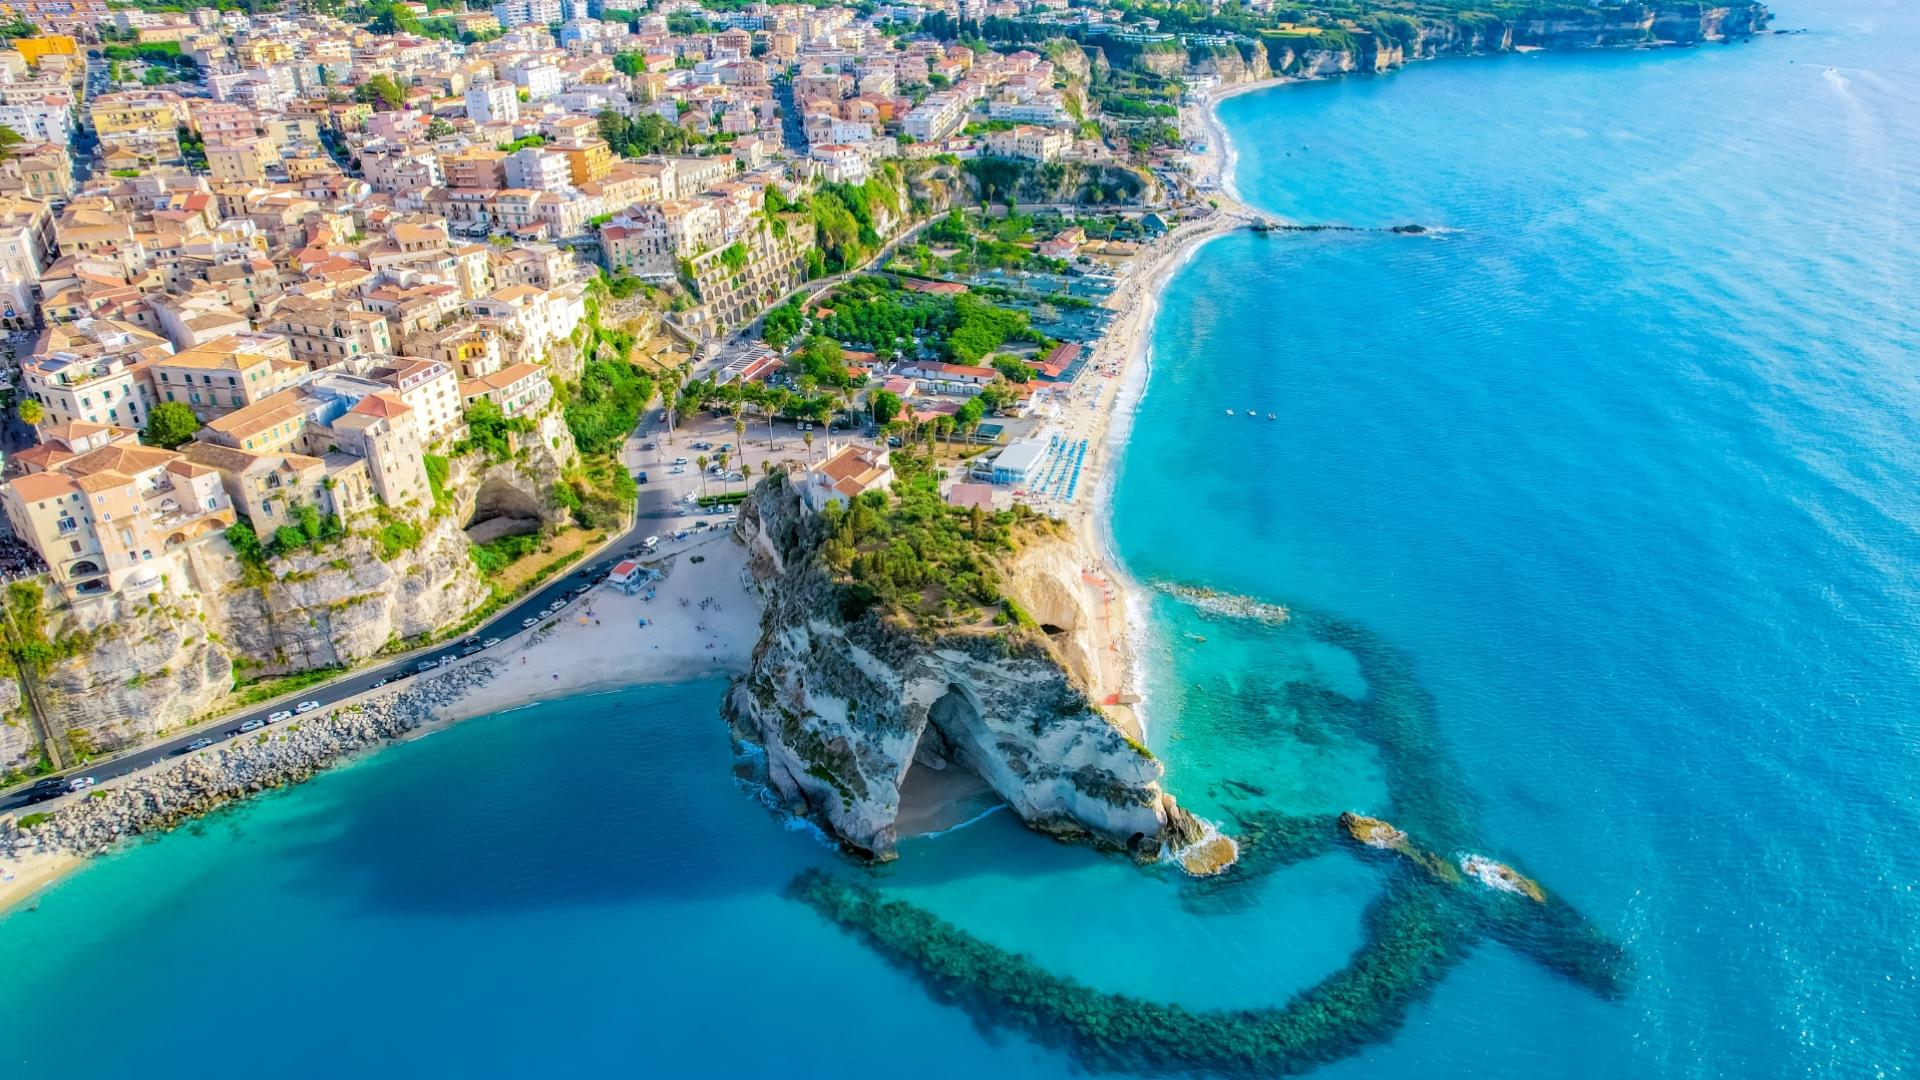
{"x":162,"y":797}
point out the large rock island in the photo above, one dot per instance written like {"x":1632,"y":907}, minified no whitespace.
{"x":897,"y":637}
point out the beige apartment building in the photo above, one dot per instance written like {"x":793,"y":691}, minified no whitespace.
{"x":323,"y":333}
{"x":225,"y":374}
{"x":102,"y":519}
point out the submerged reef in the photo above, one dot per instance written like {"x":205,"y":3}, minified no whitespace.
{"x":1414,"y":934}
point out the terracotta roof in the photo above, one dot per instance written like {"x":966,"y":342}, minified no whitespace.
{"x":36,"y":486}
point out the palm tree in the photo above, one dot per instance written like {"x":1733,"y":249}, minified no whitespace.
{"x":675,"y":379}
{"x":701,"y":461}
{"x":807,"y":437}
{"x":740,"y":436}
{"x":721,"y":460}
{"x":776,"y":401}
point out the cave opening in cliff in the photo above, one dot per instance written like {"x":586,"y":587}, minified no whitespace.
{"x":501,"y":509}
{"x":941,"y":788}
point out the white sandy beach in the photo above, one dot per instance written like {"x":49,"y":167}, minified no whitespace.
{"x":703,"y":621}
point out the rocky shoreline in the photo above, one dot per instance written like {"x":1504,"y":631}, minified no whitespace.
{"x":161,"y":799}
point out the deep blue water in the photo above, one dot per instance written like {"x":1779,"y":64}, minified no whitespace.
{"x":1617,"y":471}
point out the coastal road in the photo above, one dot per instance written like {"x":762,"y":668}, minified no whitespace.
{"x":655,"y":514}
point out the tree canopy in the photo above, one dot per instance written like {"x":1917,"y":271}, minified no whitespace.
{"x":170,"y":425}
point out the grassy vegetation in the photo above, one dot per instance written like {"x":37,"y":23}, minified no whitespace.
{"x":254,"y":691}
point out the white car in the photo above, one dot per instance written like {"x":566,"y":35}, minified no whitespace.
{"x":528,"y":624}
{"x":306,"y":706}
{"x":279,"y":716}
{"x":253,"y":725}
{"x":490,"y":643}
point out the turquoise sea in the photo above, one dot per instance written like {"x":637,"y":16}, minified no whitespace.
{"x":1597,"y":513}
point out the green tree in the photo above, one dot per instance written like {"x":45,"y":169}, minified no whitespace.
{"x":822,"y":358}
{"x":170,"y":425}
{"x":382,"y":92}
{"x":394,"y":19}
{"x":1013,"y":368}
{"x":885,"y":405}
{"x":439,"y":128}
{"x":9,"y":139}
{"x":630,"y":63}
{"x":30,"y":412}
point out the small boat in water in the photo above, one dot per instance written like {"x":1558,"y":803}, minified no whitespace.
{"x":1229,"y":412}
{"x":1270,"y":416}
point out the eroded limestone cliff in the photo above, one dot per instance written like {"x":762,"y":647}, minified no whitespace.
{"x":139,"y":666}
{"x":845,"y":703}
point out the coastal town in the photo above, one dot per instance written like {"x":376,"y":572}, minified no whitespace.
{"x":431,"y":361}
{"x":348,"y":344}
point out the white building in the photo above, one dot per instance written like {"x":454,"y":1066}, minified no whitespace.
{"x":537,"y":170}
{"x":935,"y":118}
{"x":512,"y":13}
{"x":493,"y":103}
{"x":540,"y":81}
{"x":44,"y":119}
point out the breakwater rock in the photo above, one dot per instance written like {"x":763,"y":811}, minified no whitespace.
{"x":162,"y":798}
{"x":848,"y":700}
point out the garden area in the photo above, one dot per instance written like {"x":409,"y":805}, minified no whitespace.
{"x":919,"y":558}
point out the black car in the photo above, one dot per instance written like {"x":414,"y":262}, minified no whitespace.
{"x":51,"y":788}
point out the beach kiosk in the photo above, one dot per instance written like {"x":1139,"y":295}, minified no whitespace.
{"x":630,"y":577}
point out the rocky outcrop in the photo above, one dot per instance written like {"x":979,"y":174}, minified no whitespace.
{"x":152,"y":664}
{"x":1228,"y":64}
{"x":846,"y":704}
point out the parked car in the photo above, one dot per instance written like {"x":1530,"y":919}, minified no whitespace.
{"x":528,"y":624}
{"x":252,"y":725}
{"x":679,"y":461}
{"x":646,"y":446}
{"x":640,"y":477}
{"x":650,"y":543}
{"x":677,"y":470}
{"x":426,"y":665}
{"x":79,"y":783}
{"x":306,"y":706}
{"x":279,"y":716}
{"x":198,"y":744}
{"x":490,"y":643}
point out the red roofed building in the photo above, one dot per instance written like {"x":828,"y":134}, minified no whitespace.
{"x":848,"y":473}
{"x":1057,"y":360}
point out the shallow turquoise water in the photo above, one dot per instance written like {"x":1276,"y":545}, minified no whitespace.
{"x":1612,"y":482}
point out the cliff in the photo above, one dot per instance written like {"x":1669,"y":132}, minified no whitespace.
{"x":1382,"y":43}
{"x":847,"y":701}
{"x":1379,"y":42}
{"x":131,"y":668}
